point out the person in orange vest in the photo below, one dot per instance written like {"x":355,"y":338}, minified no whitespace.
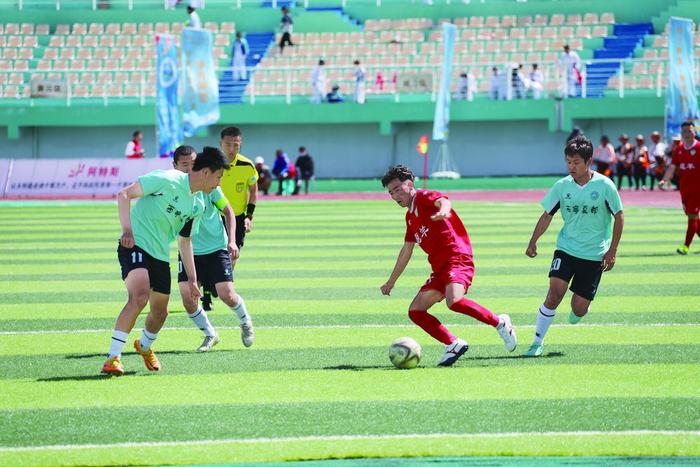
{"x":640,"y":163}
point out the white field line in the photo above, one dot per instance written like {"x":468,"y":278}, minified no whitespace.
{"x":208,"y":442}
{"x":351,"y":326}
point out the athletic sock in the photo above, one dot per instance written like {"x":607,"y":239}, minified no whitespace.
{"x":693,"y":225}
{"x":544,"y":319}
{"x":240,"y":310}
{"x":432,"y":326}
{"x":201,"y":320}
{"x":476,"y":311}
{"x":147,"y":339}
{"x":118,"y":340}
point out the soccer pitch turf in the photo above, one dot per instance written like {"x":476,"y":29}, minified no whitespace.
{"x":317,"y":384}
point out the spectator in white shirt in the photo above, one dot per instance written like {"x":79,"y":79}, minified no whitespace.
{"x":570,"y":63}
{"x":194,"y":22}
{"x":466,"y":87}
{"x":318,"y":82}
{"x":604,"y":157}
{"x":536,"y":81}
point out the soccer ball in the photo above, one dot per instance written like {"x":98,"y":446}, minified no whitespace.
{"x":405,"y":353}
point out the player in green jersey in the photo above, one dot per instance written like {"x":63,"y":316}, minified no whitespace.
{"x":587,"y":243}
{"x":169,"y":204}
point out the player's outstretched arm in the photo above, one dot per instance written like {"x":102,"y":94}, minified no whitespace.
{"x":667,"y":176}
{"x":230,"y":219}
{"x":540,"y":228}
{"x":609,"y":257}
{"x":184,"y":244}
{"x":401,"y":262}
{"x":444,"y":208}
{"x":124,"y":198}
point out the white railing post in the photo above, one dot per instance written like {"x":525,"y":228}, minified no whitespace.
{"x":20,"y":4}
{"x":379,"y":2}
{"x":509,"y":83}
{"x":584,"y":86}
{"x":238,"y":4}
{"x":344,"y":3}
{"x":165,"y":5}
{"x":306,"y":3}
{"x":433,"y":94}
{"x":68,"y":92}
{"x":94,"y":5}
{"x":131,"y":4}
{"x":252,"y":91}
{"x":58,"y":5}
{"x":289,"y":86}
{"x":274,"y":3}
{"x":621,"y":84}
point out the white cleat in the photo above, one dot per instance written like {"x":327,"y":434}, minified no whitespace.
{"x":247,"y":333}
{"x":453,"y":352}
{"x":507,"y":333}
{"x":208,"y":343}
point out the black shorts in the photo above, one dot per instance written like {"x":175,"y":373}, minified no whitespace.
{"x":158,"y":271}
{"x":211,"y":269}
{"x":586,"y":273}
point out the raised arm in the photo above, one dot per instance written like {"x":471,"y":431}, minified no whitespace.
{"x":124,"y":198}
{"x":401,"y":262}
{"x":540,"y":228}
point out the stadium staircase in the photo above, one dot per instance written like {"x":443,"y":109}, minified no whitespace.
{"x":230,"y":91}
{"x":622,"y":44}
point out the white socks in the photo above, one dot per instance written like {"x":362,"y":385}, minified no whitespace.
{"x":544,"y":319}
{"x":241,"y":310}
{"x":201,"y":320}
{"x":147,"y":339}
{"x":118,"y":340}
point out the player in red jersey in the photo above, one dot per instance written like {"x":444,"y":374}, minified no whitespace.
{"x":437,"y":229}
{"x":686,"y":159}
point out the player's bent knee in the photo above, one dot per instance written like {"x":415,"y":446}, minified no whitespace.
{"x":139,"y":298}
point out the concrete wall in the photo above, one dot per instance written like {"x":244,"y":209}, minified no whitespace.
{"x":351,"y":150}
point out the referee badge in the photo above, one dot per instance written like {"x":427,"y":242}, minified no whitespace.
{"x":239,"y":187}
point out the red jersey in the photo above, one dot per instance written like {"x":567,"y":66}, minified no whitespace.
{"x":441,"y":240}
{"x":687,"y":162}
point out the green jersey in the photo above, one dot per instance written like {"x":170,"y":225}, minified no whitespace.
{"x":166,"y":206}
{"x":587,"y":212}
{"x":211,"y":236}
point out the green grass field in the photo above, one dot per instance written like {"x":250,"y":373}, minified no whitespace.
{"x":317,"y":384}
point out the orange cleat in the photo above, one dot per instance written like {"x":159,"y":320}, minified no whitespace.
{"x":149,"y":357}
{"x":113,"y":366}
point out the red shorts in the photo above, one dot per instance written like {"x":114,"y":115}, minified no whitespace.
{"x":691,"y":203}
{"x":461,"y":272}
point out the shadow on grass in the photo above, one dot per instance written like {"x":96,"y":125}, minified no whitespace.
{"x":83,"y":377}
{"x":79,"y":356}
{"x":516,"y":357}
{"x":357,"y":367}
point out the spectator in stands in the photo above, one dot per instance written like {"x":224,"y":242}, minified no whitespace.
{"x":379,"y":81}
{"x":194,"y":22}
{"x":536,"y":81}
{"x":657,"y":164}
{"x":466,"y":87}
{"x":360,"y":77}
{"x":577,"y":131}
{"x":280,"y":169}
{"x":668,"y":156}
{"x":286,"y":25}
{"x":133,"y":147}
{"x":624,"y":154}
{"x":640,"y":163}
{"x":240,"y":52}
{"x":305,"y":170}
{"x":570,"y":64}
{"x":604,"y":157}
{"x":264,"y":175}
{"x":335,"y":96}
{"x":518,"y":85}
{"x":496,"y":85}
{"x":318,"y":82}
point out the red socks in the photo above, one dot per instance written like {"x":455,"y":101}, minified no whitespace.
{"x":476,"y":311}
{"x":693,"y":228}
{"x":432,"y":326}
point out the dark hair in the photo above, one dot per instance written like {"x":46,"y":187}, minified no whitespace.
{"x":356,"y":62}
{"x":400,"y":172}
{"x":136,"y":133}
{"x":579,"y":146}
{"x":210,"y":158}
{"x":605,"y":137}
{"x":321,"y":62}
{"x":181,"y":151}
{"x":302,"y":149}
{"x":534,"y":66}
{"x":230,"y":131}
{"x":688,"y":123}
{"x":190,"y":9}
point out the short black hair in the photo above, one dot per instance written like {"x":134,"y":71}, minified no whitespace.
{"x":210,"y":158}
{"x":136,"y":133}
{"x":579,"y":146}
{"x":190,"y":9}
{"x":688,"y":123}
{"x":356,"y":62}
{"x":230,"y":131}
{"x":183,"y":150}
{"x":302,"y":149}
{"x":400,"y":172}
{"x":605,"y":137}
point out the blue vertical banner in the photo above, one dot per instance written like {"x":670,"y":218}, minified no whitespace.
{"x":681,"y":99}
{"x":167,"y":102}
{"x":441,"y":122}
{"x":200,"y":100}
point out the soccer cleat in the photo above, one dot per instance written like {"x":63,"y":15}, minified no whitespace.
{"x":535,"y":350}
{"x":207,"y":304}
{"x":573,"y":318}
{"x":113,"y":366}
{"x":453,"y":352}
{"x":682,"y":249}
{"x":208,"y":343}
{"x":507,"y":333}
{"x":149,"y":357}
{"x":247,"y":333}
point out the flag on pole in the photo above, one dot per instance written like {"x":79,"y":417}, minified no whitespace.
{"x":442,"y":108}
{"x":167,"y":101}
{"x":200,"y":100}
{"x":422,"y":146}
{"x":681,"y":99}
